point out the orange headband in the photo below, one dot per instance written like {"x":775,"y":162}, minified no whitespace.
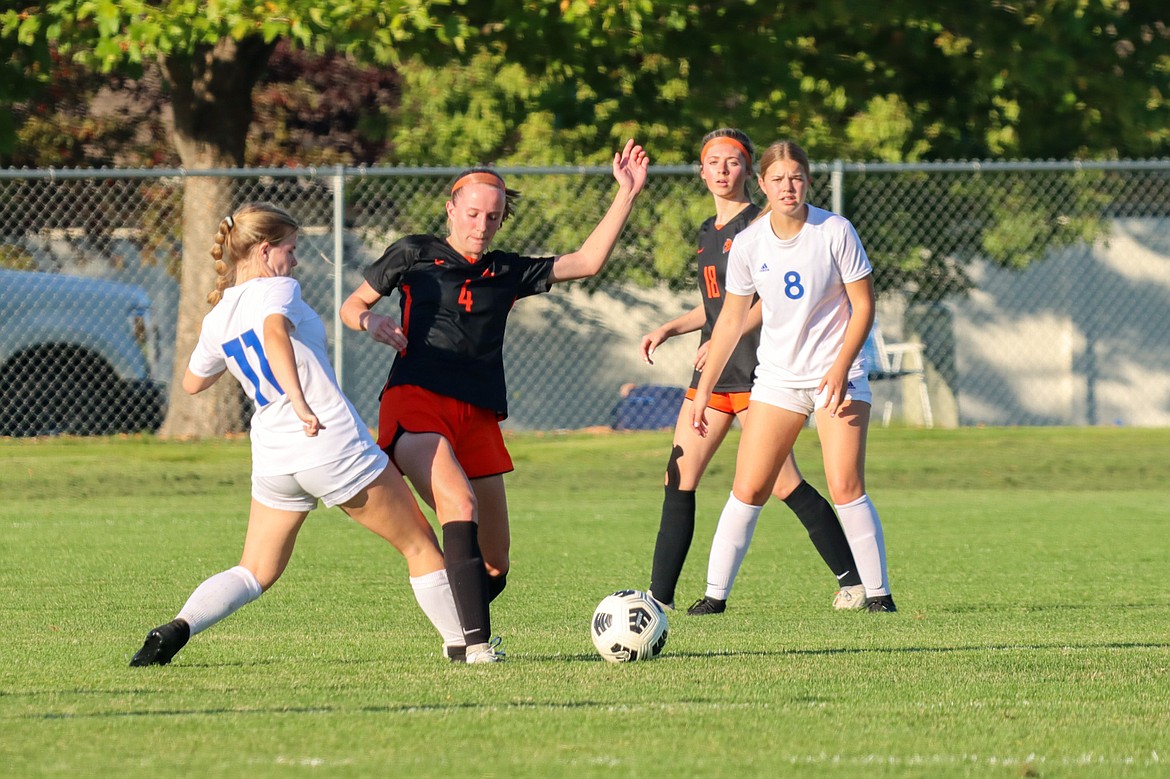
{"x":479,"y":177}
{"x":725,"y":139}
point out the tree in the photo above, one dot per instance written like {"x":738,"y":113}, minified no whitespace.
{"x":530,"y":81}
{"x":212,"y":56}
{"x":899,"y":81}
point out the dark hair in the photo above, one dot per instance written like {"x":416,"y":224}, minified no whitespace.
{"x":251,"y":224}
{"x":511,"y":196}
{"x":739,"y":136}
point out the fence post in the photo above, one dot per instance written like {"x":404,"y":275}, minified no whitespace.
{"x":338,"y":274}
{"x":837,"y":188}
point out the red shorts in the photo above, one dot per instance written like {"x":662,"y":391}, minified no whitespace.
{"x":473,"y":431}
{"x":727,"y":402}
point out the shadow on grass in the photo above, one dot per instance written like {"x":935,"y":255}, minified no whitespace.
{"x":667,"y":658}
{"x":899,"y":650}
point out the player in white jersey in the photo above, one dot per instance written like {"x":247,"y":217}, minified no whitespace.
{"x":815,"y":282}
{"x":308,"y":442}
{"x":725,"y":166}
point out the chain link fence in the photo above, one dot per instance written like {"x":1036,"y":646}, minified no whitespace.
{"x":1029,"y":293}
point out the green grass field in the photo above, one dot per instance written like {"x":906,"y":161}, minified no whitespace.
{"x":1029,"y":567}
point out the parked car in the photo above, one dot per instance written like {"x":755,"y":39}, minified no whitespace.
{"x":76,"y":356}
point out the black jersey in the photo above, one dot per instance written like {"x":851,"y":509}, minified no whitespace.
{"x":454,"y":312}
{"x":714,"y":245}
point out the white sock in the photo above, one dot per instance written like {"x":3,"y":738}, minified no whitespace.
{"x":863,"y":529}
{"x":220,"y":596}
{"x":433,"y":593}
{"x":733,"y":535}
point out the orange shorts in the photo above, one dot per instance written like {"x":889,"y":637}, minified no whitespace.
{"x":473,"y":431}
{"x":727,"y":402}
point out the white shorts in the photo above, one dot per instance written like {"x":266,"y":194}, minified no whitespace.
{"x":805,"y":400}
{"x":333,"y":483}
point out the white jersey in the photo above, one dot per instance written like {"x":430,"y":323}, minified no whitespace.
{"x":801,"y":282}
{"x":233,"y":337}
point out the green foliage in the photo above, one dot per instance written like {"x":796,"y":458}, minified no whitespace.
{"x":16,"y":258}
{"x":107,"y":35}
{"x":525,"y":82}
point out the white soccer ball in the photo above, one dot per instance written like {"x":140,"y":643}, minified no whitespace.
{"x":628,"y":626}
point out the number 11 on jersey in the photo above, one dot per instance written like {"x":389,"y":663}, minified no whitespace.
{"x":236,"y":350}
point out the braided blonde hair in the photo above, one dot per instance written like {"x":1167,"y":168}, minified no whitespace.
{"x":251,"y":224}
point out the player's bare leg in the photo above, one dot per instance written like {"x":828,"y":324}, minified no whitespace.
{"x":428,"y":460}
{"x":763,"y":448}
{"x":268,"y":546}
{"x":495,"y":536}
{"x":843,"y":440}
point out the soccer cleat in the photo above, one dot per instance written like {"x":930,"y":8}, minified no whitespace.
{"x":880,"y":603}
{"x":665,"y":606}
{"x":162,"y":643}
{"x":491,"y":652}
{"x":707,"y":605}
{"x":456,"y":654}
{"x":850,"y":598}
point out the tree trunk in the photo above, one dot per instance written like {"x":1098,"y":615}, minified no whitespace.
{"x":212,"y":104}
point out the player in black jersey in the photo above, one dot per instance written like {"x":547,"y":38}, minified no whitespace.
{"x":726,"y":167}
{"x":445,"y":396}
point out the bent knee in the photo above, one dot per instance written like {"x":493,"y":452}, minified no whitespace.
{"x":845,"y":492}
{"x":457,"y":507}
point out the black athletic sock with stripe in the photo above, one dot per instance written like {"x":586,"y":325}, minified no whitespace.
{"x":675,"y":533}
{"x":468,"y":579}
{"x":819,"y":519}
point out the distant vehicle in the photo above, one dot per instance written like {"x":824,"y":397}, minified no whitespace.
{"x":76,"y":356}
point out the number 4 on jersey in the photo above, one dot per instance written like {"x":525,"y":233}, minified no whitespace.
{"x":465,"y":296}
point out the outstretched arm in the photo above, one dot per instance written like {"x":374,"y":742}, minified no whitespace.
{"x":630,"y":168}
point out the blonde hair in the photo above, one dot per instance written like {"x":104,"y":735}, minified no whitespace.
{"x":251,"y":224}
{"x":784,"y":150}
{"x":477,"y":176}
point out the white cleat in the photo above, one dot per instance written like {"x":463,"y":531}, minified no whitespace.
{"x":665,"y":606}
{"x":850,"y":598}
{"x":491,"y":652}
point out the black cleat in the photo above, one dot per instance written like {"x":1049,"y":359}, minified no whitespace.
{"x":162,"y":643}
{"x":880,"y":603}
{"x":707,"y":605}
{"x":456,"y":654}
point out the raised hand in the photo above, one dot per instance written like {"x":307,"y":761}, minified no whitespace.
{"x":630,"y":167}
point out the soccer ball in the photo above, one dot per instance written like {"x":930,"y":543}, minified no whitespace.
{"x":628,"y":626}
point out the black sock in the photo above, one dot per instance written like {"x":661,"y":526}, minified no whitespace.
{"x":819,"y":519}
{"x":675,"y":532}
{"x":496,"y":585}
{"x":468,"y":579}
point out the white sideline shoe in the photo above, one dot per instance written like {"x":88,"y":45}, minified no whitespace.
{"x":491,"y":652}
{"x":665,"y":606}
{"x":850,"y":598}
